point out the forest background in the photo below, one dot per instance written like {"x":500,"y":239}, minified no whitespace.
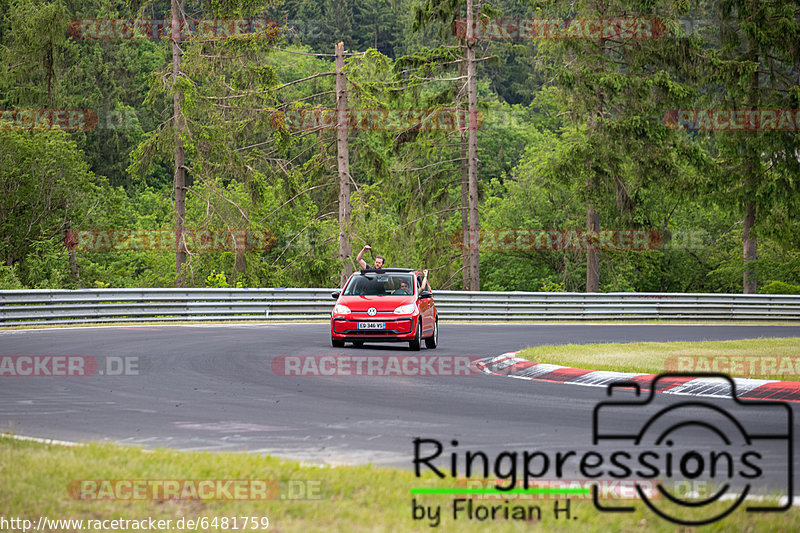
{"x":572,"y":132}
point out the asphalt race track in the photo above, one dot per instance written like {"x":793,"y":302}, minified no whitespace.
{"x":212,"y":388}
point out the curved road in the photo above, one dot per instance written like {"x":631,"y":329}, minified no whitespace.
{"x":212,"y":388}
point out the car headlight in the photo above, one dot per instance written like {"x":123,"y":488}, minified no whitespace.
{"x":405,"y":309}
{"x":340,"y":309}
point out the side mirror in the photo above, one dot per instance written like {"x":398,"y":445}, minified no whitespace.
{"x":425,"y":294}
{"x":335,"y":294}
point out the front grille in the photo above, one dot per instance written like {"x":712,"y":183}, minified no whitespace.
{"x":373,"y":332}
{"x":372,"y":319}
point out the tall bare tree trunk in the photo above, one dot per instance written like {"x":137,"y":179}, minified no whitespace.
{"x":179,"y":178}
{"x":239,"y":260}
{"x":592,"y":216}
{"x":592,"y":254}
{"x":752,"y":170}
{"x":749,"y":278}
{"x":465,"y":234}
{"x":73,"y":257}
{"x":465,"y":241}
{"x":343,"y":156}
{"x":472,"y":149}
{"x":51,"y":74}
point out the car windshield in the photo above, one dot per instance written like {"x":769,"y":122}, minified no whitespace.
{"x":374,"y":284}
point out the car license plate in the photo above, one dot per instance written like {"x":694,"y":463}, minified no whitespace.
{"x":371,"y":325}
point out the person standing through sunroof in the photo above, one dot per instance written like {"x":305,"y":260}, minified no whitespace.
{"x":379,"y":259}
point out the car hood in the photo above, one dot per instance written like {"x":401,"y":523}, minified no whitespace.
{"x":381,"y":303}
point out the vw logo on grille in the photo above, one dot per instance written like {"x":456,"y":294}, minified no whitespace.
{"x":372,"y":311}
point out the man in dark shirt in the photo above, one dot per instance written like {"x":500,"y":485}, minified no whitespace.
{"x":379,"y":259}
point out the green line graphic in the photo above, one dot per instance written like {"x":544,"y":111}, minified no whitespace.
{"x":422,"y":490}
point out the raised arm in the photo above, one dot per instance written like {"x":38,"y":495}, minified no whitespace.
{"x":360,"y":256}
{"x":425,"y":281}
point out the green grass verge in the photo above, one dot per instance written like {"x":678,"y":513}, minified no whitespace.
{"x":749,"y":358}
{"x":36,"y":478}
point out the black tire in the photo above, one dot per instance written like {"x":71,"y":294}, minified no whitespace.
{"x":336,"y":343}
{"x":417,"y":342}
{"x":433,"y":340}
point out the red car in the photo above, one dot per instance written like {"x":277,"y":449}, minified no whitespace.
{"x":384,"y":305}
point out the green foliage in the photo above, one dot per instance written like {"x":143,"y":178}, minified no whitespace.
{"x":220,"y":280}
{"x":44,"y":188}
{"x":552,"y":286}
{"x":46,"y":265}
{"x":779,"y":287}
{"x":9,"y":278}
{"x":564,"y":124}
{"x":34,"y":54}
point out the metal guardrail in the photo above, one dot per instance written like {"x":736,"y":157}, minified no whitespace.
{"x":62,"y":306}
